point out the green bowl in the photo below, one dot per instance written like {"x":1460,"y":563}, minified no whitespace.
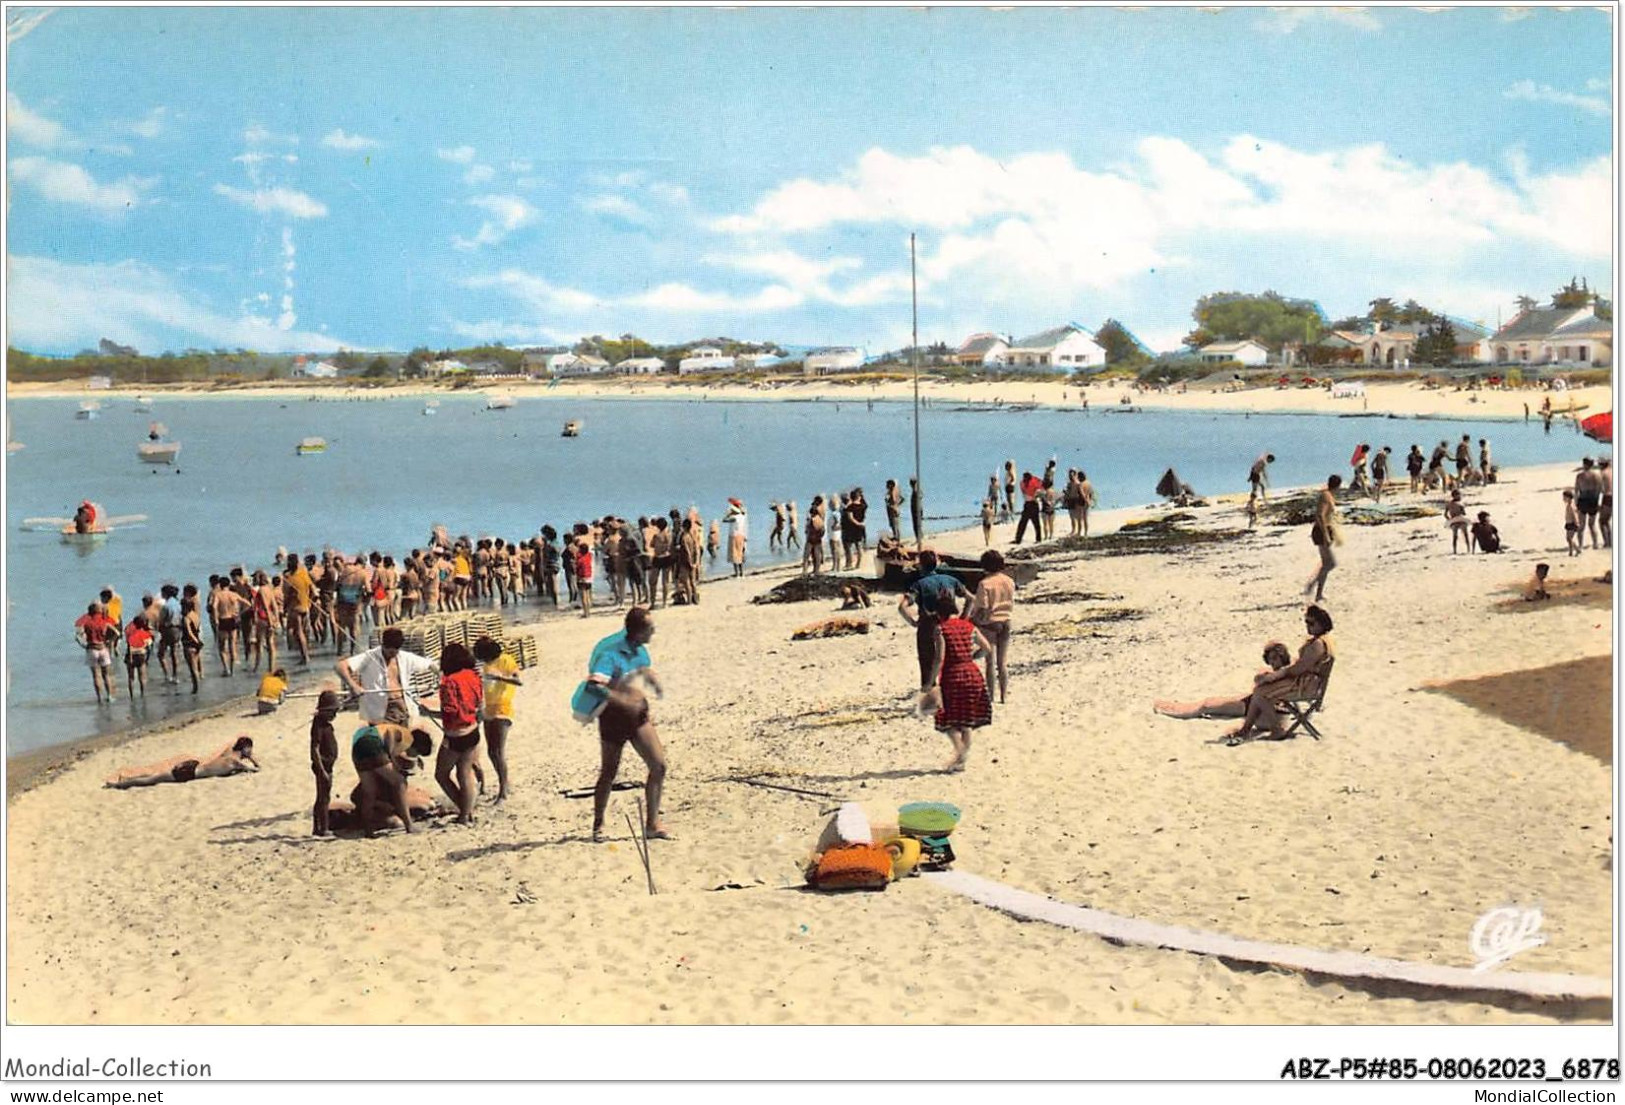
{"x":928,"y":818}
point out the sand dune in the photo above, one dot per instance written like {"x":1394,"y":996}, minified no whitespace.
{"x":209,"y":903}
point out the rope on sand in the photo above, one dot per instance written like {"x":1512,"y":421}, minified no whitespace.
{"x":1456,"y":982}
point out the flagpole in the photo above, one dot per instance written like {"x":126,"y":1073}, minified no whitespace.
{"x":914,"y":353}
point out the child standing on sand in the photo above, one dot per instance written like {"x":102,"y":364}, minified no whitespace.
{"x":1455,"y":516}
{"x":1252,"y":508}
{"x":1571,"y":523}
{"x":583,"y":574}
{"x":324,"y":753}
{"x":987,"y":521}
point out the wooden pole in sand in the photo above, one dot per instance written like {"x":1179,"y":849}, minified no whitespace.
{"x":914,"y":355}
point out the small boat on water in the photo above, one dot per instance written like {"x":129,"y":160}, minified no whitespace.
{"x":155,"y":450}
{"x":89,"y":526}
{"x":158,"y":452}
{"x":572,"y":428}
{"x":87,"y":410}
{"x":310,"y":445}
{"x":500,"y":402}
{"x":143,"y":402}
{"x":431,"y":406}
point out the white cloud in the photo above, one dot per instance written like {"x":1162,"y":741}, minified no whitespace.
{"x":257,"y":134}
{"x":55,"y":305}
{"x":511,"y":333}
{"x":508,"y":214}
{"x":1284,"y":21}
{"x":1514,"y":15}
{"x":1037,"y":219}
{"x":535,"y":292}
{"x":284,"y":201}
{"x":461,"y":155}
{"x":674,"y":194}
{"x":479,"y":174}
{"x":150,"y":125}
{"x":62,"y":182}
{"x":683,"y":299}
{"x":519,"y":165}
{"x":21,"y":21}
{"x":618,"y":207}
{"x":1546,"y":94}
{"x":31,"y":128}
{"x":338,"y":140}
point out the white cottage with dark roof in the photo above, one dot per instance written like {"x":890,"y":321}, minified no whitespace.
{"x":1554,"y":335}
{"x":1063,"y":349}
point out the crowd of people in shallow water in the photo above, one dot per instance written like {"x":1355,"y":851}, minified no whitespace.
{"x":332,"y":602}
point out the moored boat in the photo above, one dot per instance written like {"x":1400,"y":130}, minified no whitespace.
{"x":572,"y":428}
{"x":158,"y":452}
{"x":310,"y":445}
{"x":500,"y":402}
{"x":87,"y":410}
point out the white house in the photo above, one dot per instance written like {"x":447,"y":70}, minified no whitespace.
{"x":1063,"y":349}
{"x":1554,"y":335}
{"x":704,"y":359}
{"x":322,"y":370}
{"x":576,"y":364}
{"x":757,"y":360}
{"x":1247,"y":352}
{"x":980,"y":350}
{"x":641,"y":366}
{"x":99,"y":383}
{"x":444,"y":368}
{"x":821,"y":362}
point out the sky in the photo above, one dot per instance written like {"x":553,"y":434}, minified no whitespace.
{"x":309,"y":179}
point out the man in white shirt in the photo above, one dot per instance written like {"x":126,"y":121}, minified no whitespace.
{"x":382,"y":678}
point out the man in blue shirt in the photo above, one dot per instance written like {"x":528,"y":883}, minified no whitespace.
{"x":922,"y":596}
{"x":618,"y":663}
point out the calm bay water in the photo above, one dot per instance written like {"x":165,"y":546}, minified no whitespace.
{"x":390,"y":473}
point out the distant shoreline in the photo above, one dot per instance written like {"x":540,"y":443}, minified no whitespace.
{"x":1401,"y":399}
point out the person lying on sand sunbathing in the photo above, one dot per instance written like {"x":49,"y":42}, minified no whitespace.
{"x":1295,"y":681}
{"x":1275,"y":655}
{"x":230,"y":760}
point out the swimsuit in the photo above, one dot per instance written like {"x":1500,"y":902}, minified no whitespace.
{"x":184,"y":772}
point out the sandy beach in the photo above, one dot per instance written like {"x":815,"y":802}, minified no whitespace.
{"x":1402,"y":399}
{"x":1464,"y":767}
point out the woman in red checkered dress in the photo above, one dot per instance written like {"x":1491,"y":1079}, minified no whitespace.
{"x":958,"y":678}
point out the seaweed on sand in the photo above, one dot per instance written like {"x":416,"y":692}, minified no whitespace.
{"x":1051,"y":597}
{"x":1299,"y":510}
{"x":1081,"y":625}
{"x":806,"y":589}
{"x":1154,"y":535}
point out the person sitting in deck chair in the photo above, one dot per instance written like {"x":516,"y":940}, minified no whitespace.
{"x":1299,"y":680}
{"x":1276,"y":655}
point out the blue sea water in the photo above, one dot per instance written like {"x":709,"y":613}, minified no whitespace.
{"x":390,"y":473}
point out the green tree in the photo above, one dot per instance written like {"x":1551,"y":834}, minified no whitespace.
{"x":1436,"y":344}
{"x":1121,"y":347}
{"x":377,"y":369}
{"x":1527,"y":303}
{"x":1572,"y":295}
{"x":416,"y":362}
{"x":1269,"y":318}
{"x":1383,"y":313}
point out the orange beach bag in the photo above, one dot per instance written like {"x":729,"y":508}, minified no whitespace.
{"x":853,"y":867}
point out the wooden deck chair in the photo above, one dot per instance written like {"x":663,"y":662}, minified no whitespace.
{"x":1306,"y":706}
